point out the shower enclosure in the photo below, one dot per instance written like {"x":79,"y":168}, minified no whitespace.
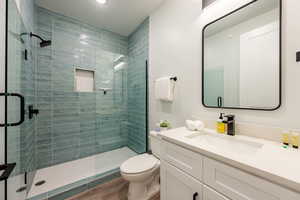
{"x":75,"y":104}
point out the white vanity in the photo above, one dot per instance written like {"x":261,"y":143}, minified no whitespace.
{"x":209,"y":166}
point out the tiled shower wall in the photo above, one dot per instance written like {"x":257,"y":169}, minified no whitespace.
{"x":74,"y":124}
{"x":137,"y":76}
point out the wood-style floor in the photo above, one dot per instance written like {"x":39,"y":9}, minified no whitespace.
{"x":114,"y":190}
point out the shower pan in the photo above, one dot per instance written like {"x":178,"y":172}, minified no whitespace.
{"x":58,"y":139}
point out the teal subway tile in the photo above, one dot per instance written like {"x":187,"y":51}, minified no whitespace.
{"x":72,"y":125}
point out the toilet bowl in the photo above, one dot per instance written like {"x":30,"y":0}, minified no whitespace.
{"x":142,"y":172}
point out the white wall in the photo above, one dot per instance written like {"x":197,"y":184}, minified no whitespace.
{"x":175,"y":48}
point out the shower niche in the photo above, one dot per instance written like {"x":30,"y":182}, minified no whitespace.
{"x":84,"y":80}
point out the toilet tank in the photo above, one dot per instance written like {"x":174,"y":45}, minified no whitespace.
{"x":155,"y":143}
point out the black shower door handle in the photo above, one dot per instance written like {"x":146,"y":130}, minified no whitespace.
{"x":22,"y":109}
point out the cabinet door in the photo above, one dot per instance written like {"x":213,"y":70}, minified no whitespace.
{"x":210,"y":194}
{"x":239,"y":185}
{"x":183,"y":159}
{"x":177,"y":185}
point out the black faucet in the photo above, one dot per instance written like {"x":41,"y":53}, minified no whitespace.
{"x":230,"y":125}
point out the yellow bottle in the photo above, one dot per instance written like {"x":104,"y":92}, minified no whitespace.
{"x":285,"y":137}
{"x":220,"y":124}
{"x":295,"y":140}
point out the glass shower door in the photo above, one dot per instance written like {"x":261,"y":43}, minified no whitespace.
{"x":19,"y":94}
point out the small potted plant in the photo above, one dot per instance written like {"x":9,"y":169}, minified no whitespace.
{"x":164,"y":125}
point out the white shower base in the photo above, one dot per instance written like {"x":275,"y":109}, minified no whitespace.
{"x":71,"y":172}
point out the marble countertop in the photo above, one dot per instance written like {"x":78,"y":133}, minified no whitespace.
{"x":263,"y":158}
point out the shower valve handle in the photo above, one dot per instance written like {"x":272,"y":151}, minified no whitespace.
{"x":32,"y":111}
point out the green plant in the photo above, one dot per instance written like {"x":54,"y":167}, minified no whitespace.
{"x":165,"y":124}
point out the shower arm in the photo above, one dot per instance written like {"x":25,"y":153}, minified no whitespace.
{"x":43,"y":43}
{"x":37,"y":36}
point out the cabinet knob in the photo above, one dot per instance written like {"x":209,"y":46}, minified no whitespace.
{"x":195,"y":195}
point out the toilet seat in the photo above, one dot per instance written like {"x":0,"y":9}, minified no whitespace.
{"x":139,"y":164}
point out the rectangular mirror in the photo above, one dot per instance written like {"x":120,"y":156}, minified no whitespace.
{"x":241,"y":61}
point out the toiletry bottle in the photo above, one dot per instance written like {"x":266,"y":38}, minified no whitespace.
{"x":295,"y":140}
{"x":230,"y":125}
{"x":285,"y":137}
{"x":220,"y":124}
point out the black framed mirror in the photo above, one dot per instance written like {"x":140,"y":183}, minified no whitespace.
{"x":241,"y":58}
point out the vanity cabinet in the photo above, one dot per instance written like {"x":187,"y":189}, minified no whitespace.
{"x":210,"y":194}
{"x":177,"y":185}
{"x":239,"y":185}
{"x":188,"y":161}
{"x":186,"y":175}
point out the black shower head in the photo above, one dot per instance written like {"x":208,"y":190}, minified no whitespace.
{"x":45,"y":43}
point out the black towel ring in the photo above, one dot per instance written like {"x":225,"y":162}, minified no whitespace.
{"x":174,"y":78}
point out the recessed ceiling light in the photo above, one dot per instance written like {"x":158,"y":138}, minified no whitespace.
{"x":83,"y":36}
{"x":102,"y":1}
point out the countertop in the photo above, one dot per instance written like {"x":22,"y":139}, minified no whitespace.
{"x":271,"y":161}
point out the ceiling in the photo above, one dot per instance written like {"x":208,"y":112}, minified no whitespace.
{"x":119,"y":16}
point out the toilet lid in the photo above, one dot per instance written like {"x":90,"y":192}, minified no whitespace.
{"x":138,"y":164}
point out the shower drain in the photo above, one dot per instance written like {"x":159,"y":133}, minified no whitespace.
{"x":40,"y":183}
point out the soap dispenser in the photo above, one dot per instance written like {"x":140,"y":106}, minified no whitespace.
{"x":230,"y":126}
{"x":220,"y":124}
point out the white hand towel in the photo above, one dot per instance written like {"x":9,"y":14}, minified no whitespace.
{"x":199,"y":125}
{"x":164,"y":89}
{"x":194,"y":125}
{"x":190,"y":125}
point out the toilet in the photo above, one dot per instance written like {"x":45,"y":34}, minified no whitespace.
{"x":142,"y":172}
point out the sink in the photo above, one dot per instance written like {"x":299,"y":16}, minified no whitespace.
{"x":226,"y":143}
